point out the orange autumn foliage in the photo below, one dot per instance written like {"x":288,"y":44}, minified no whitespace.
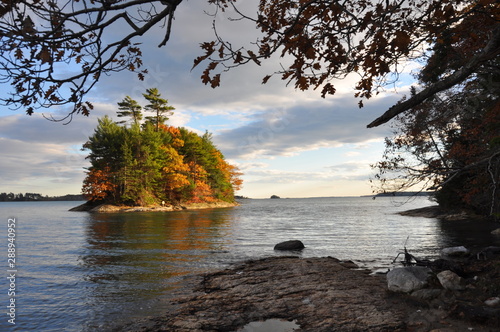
{"x":98,"y":186}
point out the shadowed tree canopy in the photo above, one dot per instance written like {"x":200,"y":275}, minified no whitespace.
{"x":450,"y":142}
{"x":54,"y":52}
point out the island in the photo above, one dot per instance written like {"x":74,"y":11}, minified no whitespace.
{"x":152,"y":166}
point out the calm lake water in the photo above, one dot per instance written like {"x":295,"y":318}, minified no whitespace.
{"x":78,"y":271}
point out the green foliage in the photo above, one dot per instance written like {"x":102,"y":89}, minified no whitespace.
{"x":150,"y":163}
{"x":158,"y":106}
{"x":130,"y":107}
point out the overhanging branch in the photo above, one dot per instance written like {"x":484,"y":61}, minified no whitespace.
{"x":491,"y":50}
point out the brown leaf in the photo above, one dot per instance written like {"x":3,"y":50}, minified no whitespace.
{"x":18,"y":54}
{"x":238,"y":58}
{"x":198,"y":60}
{"x":253,"y":57}
{"x":221,"y":51}
{"x":45,"y":55}
{"x":215,"y":81}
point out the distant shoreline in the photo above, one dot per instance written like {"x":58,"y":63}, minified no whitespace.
{"x":111,"y":208}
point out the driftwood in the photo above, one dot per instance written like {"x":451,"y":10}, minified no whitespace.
{"x":409,"y":259}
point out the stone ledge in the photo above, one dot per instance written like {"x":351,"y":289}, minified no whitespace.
{"x":110,"y":208}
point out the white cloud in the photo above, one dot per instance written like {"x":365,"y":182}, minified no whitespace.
{"x":27,"y":165}
{"x":287,"y":131}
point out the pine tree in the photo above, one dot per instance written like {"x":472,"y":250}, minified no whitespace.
{"x":130,"y":107}
{"x":159,"y":106}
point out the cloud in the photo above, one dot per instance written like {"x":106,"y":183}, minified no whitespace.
{"x":308,"y":126}
{"x":42,"y":165}
{"x":36,"y":128}
{"x":261,"y":173}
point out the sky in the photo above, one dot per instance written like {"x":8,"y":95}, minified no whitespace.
{"x":286,"y":142}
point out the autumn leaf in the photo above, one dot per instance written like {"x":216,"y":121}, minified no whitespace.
{"x":238,"y":58}
{"x":221,"y":51}
{"x":18,"y":54}
{"x":215,"y":81}
{"x":253,"y":57}
{"x":45,"y":55}
{"x":265,"y":79}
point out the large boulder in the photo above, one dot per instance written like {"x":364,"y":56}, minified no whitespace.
{"x":450,"y":280}
{"x":408,"y":279}
{"x":290,"y":245}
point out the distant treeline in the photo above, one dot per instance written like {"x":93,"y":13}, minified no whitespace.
{"x":406,"y":193}
{"x":11,"y":197}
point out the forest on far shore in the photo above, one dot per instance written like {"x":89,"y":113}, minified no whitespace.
{"x":20,"y":197}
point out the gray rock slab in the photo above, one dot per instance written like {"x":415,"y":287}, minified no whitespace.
{"x":408,"y":279}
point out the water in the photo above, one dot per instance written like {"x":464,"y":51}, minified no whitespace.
{"x":78,"y":271}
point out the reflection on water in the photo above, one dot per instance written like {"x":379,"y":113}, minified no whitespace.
{"x":80,"y":271}
{"x":146,"y":253}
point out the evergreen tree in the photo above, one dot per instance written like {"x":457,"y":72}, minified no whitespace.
{"x":130,"y":107}
{"x":158,"y":106}
{"x":105,"y":157}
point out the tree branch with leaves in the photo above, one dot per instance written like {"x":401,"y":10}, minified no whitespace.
{"x":53,"y":53}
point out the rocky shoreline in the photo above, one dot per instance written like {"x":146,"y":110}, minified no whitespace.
{"x":326,"y":294}
{"x":435,"y":211}
{"x":110,"y":208}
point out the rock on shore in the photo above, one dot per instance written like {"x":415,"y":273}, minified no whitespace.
{"x":109,"y":208}
{"x":435,"y":211}
{"x":290,"y":245}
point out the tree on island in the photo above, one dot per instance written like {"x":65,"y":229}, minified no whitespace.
{"x":130,"y":107}
{"x":35,"y":197}
{"x":158,"y":106}
{"x":155,"y":162}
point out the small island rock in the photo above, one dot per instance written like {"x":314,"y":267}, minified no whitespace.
{"x":275,"y":197}
{"x":290,"y":245}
